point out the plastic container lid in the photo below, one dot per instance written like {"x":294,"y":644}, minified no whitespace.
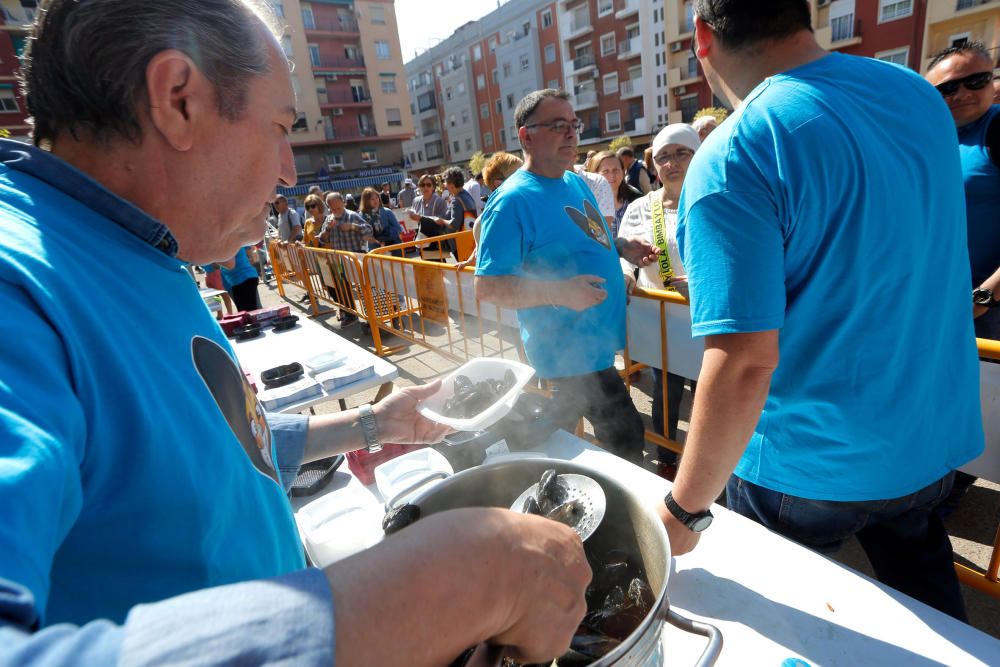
{"x":324,"y":361}
{"x":477,"y":370}
{"x":397,"y":474}
{"x":340,"y":524}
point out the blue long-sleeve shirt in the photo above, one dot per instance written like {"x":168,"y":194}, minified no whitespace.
{"x":145,"y":517}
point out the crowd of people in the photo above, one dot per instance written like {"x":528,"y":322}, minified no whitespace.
{"x":144,"y":488}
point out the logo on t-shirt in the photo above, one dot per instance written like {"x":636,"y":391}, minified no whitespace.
{"x":591,"y":222}
{"x":237,"y":401}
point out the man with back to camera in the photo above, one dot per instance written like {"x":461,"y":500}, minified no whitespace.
{"x":546,"y":251}
{"x":848,"y":433}
{"x":145,"y":518}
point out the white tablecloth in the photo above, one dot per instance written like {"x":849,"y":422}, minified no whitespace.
{"x":308,"y":339}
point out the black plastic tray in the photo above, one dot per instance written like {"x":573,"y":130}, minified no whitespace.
{"x":316,"y":475}
{"x":247,"y":331}
{"x":279,"y":376}
{"x":285,"y":323}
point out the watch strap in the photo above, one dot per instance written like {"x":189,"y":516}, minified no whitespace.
{"x":695,"y":522}
{"x":368,"y":426}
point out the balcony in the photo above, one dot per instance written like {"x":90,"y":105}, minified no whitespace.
{"x":345,"y":98}
{"x":585,"y":99}
{"x":629,"y":48}
{"x":338,"y":64}
{"x":627,"y":8}
{"x":681,"y":77}
{"x":845,"y":31}
{"x":969,"y":4}
{"x":578,"y":28}
{"x":635,"y":126}
{"x":631,"y":88}
{"x":590,"y":133}
{"x":582,"y":63}
{"x":342,"y":26}
{"x":345,"y":136}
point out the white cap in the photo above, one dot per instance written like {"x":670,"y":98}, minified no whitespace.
{"x":676,"y":133}
{"x":408,"y":182}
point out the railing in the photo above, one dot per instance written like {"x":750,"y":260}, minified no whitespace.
{"x":844,"y":27}
{"x":585,"y":99}
{"x":591,"y":133}
{"x":579,"y":26}
{"x":631,"y":87}
{"x":629,"y":47}
{"x":583,"y":61}
{"x":333,"y":63}
{"x":968,"y":4}
{"x":341,"y":25}
{"x":346,"y":97}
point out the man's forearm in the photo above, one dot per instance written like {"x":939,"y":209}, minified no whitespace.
{"x":333,"y":434}
{"x":731,"y":395}
{"x":515,"y":292}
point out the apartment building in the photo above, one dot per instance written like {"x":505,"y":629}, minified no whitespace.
{"x":597,"y":50}
{"x":16,"y":16}
{"x":950,"y":22}
{"x":349,"y":85}
{"x":889,"y":30}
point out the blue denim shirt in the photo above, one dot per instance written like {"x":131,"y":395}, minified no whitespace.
{"x":216,"y":625}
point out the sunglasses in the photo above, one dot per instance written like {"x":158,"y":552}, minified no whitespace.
{"x":975,"y":81}
{"x":426,"y":185}
{"x":312,"y":206}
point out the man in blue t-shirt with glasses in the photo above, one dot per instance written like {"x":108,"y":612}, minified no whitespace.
{"x":812,"y":238}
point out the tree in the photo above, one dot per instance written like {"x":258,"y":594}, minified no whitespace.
{"x":719,"y":113}
{"x":620,"y":142}
{"x":477,"y":162}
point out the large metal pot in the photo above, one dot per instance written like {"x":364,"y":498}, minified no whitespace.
{"x":629,"y":525}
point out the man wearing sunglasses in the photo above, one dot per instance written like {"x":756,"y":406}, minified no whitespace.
{"x":828,"y":275}
{"x":964,"y":76}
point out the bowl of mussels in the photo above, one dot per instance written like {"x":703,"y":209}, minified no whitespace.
{"x":478,"y":394}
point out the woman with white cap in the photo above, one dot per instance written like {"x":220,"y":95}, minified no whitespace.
{"x":653,"y":218}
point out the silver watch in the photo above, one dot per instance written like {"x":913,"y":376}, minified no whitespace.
{"x":368,"y":426}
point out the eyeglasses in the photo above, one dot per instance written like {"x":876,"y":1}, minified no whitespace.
{"x":560,"y":126}
{"x":683,"y":155}
{"x":975,"y":81}
{"x":312,"y":206}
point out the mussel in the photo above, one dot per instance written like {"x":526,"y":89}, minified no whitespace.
{"x":399,"y":518}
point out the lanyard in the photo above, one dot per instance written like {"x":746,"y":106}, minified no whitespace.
{"x":660,"y":239}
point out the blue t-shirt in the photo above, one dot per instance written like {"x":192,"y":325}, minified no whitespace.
{"x":982,"y":196}
{"x":550,"y":229}
{"x":133,"y":455}
{"x":821,"y":211}
{"x":241,"y":272}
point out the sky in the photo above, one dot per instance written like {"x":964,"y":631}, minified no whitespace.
{"x":423,"y":24}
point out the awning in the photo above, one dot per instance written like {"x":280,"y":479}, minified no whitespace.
{"x":395,"y":180}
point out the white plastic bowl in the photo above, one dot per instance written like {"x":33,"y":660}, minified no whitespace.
{"x":395,"y":475}
{"x":477,"y":370}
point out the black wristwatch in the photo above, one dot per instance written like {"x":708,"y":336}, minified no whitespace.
{"x":982,"y":296}
{"x":695,"y":522}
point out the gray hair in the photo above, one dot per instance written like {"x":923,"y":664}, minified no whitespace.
{"x":334,"y":195}
{"x":700,"y":123}
{"x":85,"y":63}
{"x":527,"y":107}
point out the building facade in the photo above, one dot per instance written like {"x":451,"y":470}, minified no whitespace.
{"x":954,"y":21}
{"x":354,"y":111}
{"x":17,"y":15}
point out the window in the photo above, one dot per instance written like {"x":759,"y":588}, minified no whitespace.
{"x":8,"y":100}
{"x":461,"y":88}
{"x":547,"y":18}
{"x":689,"y":107}
{"x":388,"y":85}
{"x":510,"y":101}
{"x":554,"y":83}
{"x":465,"y":116}
{"x":335,"y":160}
{"x":611,"y":84}
{"x":314,"y":55}
{"x":900,"y":56}
{"x":692,"y":66}
{"x":369,"y":155}
{"x":447,"y":93}
{"x":426,"y":101}
{"x":484,"y":110}
{"x":382,"y":50}
{"x":503,"y":136}
{"x":506,"y":70}
{"x":377,"y":12}
{"x":468,"y":143}
{"x":278,"y":7}
{"x":286,"y":46}
{"x":605,"y":7}
{"x":607,"y":44}
{"x":301,"y":124}
{"x":393,"y":117}
{"x":960,"y":39}
{"x":454,"y":146}
{"x":550,"y":53}
{"x":842,"y":28}
{"x":525,"y":62}
{"x":308,"y":20}
{"x":480,"y":82}
{"x":477,"y":52}
{"x":493,"y":75}
{"x":894,"y":9}
{"x":451,"y":120}
{"x":493,"y":44}
{"x":499,"y":106}
{"x":689,"y":16}
{"x":613,"y":121}
{"x":488,"y":139}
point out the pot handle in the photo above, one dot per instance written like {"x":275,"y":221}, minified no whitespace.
{"x":429,"y":477}
{"x":711,"y":652}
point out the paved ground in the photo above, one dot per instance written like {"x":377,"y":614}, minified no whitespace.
{"x":972,"y":527}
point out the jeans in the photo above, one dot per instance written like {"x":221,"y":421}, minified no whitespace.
{"x":675,"y":392}
{"x":603,"y":399}
{"x":904,"y":539}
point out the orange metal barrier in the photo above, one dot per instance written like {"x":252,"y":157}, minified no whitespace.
{"x":989,"y":581}
{"x":287,"y":265}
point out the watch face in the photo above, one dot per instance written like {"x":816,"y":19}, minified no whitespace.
{"x":982,"y":297}
{"x":701,"y":523}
